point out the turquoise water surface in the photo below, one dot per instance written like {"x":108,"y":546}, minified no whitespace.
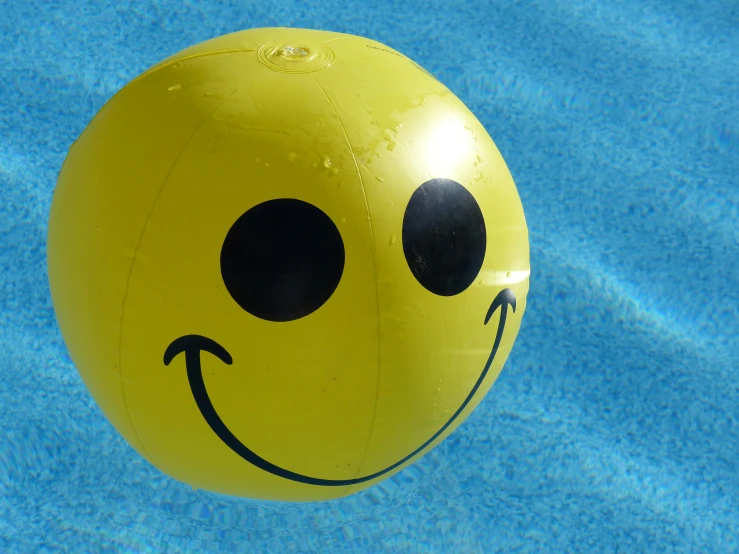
{"x":614,"y":426}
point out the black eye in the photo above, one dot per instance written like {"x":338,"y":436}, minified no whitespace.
{"x":282,"y":259}
{"x":444,"y":236}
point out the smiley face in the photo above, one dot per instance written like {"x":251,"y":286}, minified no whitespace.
{"x":283,"y":259}
{"x":295,"y":281}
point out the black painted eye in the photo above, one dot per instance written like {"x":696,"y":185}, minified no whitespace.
{"x":444,"y":236}
{"x":282,"y":259}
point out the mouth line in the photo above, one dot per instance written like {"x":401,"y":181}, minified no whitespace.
{"x":192,"y":345}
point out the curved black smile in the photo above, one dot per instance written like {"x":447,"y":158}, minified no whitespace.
{"x":192,"y":345}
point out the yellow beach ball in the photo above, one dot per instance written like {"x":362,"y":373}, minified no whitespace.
{"x":286,"y":263}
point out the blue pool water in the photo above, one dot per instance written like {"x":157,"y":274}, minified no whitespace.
{"x":614,"y":426}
